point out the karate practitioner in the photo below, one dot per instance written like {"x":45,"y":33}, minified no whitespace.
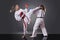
{"x":20,"y":14}
{"x":40,"y":22}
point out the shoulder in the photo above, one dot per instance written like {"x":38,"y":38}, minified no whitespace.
{"x":42,"y":11}
{"x":20,"y":10}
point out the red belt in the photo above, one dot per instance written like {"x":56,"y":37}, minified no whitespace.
{"x":22,"y":14}
{"x":23,"y":17}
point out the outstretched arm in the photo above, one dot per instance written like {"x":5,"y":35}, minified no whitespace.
{"x":36,"y":9}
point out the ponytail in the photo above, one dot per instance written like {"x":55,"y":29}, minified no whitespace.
{"x":12,"y":9}
{"x":43,"y":7}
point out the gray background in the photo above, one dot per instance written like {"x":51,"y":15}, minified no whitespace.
{"x":8,"y":24}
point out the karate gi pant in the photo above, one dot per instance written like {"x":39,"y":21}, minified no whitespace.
{"x":25,"y":23}
{"x":39,"y":22}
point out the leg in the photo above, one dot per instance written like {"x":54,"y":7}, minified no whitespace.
{"x":42,"y":26}
{"x":36,"y":25}
{"x":24,"y":29}
{"x":26,"y":23}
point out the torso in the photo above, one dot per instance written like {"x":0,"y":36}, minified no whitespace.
{"x":40,"y":13}
{"x":17,"y":14}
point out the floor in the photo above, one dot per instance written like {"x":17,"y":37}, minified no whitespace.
{"x":38,"y":37}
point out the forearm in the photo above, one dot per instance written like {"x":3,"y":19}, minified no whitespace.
{"x":36,"y":9}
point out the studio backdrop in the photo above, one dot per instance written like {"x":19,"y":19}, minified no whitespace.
{"x":8,"y":24}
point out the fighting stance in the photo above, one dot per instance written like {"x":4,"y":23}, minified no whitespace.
{"x":21,"y":14}
{"x":40,"y":21}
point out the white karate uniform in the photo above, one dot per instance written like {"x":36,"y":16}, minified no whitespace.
{"x":17,"y":15}
{"x":39,"y":22}
{"x":19,"y":18}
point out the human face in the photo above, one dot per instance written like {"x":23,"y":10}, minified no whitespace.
{"x":26,"y":5}
{"x":16,"y":7}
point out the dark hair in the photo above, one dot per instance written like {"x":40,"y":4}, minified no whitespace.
{"x":13,"y":7}
{"x":42,"y":7}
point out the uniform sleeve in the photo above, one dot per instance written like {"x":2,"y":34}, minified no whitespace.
{"x":43,"y":12}
{"x":35,"y":9}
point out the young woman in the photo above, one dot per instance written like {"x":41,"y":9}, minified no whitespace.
{"x":40,"y":21}
{"x":20,"y":14}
